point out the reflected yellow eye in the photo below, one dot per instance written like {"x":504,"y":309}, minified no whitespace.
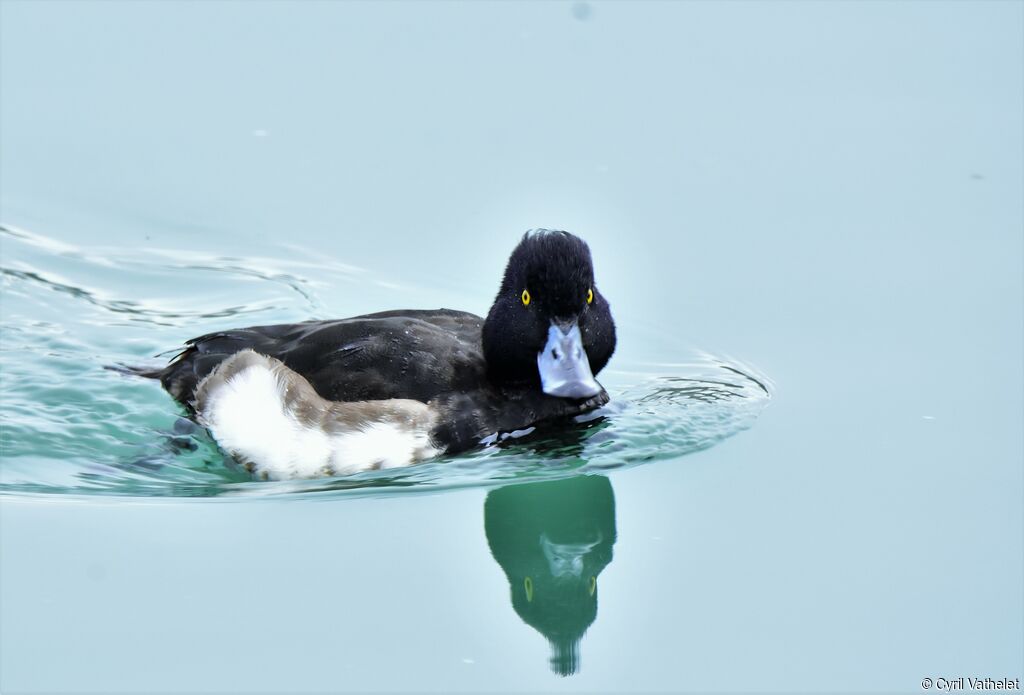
{"x":593,"y":585}
{"x":526,"y":298}
{"x":590,"y":296}
{"x":528,"y":585}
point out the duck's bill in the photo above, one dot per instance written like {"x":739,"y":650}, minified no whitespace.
{"x":563,"y":364}
{"x":566,"y":559}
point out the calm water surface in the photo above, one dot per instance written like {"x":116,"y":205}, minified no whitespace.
{"x":807,"y":218}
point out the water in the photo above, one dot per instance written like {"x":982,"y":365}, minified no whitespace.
{"x":807,"y":219}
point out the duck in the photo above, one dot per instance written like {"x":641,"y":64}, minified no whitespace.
{"x":390,"y":389}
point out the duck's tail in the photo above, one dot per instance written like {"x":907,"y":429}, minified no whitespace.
{"x":131,"y":370}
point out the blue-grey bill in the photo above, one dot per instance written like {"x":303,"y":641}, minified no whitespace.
{"x":563,"y":364}
{"x":566,"y":559}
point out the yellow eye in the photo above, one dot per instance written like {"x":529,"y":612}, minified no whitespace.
{"x":593,"y":585}
{"x":526,"y":298}
{"x":528,"y":585}
{"x":590,"y":296}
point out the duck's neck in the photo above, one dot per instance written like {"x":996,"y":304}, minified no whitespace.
{"x":509,"y":361}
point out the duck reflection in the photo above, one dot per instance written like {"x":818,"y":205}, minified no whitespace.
{"x":553,"y":539}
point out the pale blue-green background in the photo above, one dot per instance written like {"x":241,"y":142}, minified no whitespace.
{"x":828,"y":191}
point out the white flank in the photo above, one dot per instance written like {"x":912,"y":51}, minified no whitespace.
{"x":246,"y":416}
{"x":380,"y":445}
